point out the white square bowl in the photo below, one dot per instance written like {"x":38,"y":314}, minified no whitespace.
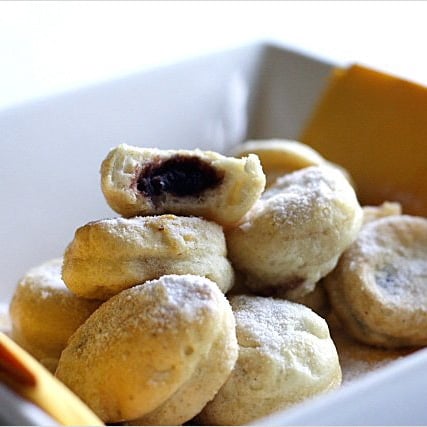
{"x":52,"y":150}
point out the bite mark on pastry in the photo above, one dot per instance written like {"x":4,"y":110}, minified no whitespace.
{"x":140,"y":181}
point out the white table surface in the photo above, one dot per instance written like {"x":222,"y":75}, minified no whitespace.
{"x":51,"y":47}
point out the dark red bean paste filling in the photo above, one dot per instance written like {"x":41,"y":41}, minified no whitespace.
{"x":179,"y":176}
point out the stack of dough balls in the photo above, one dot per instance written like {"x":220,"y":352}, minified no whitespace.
{"x":205,"y":300}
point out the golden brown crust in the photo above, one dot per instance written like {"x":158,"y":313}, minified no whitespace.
{"x":235,"y":186}
{"x":379,"y":286}
{"x":44,"y":313}
{"x":286,"y":355}
{"x":107,"y":256}
{"x":146,"y":347}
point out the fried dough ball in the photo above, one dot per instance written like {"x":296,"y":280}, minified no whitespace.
{"x":379,"y":287}
{"x":286,"y":355}
{"x":295,"y":234}
{"x":110,"y":255}
{"x":44,"y":313}
{"x":149,"y":181}
{"x":155,"y":353}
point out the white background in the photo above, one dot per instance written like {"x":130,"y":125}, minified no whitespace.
{"x":51,"y":47}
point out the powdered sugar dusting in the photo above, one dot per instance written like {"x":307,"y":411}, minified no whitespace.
{"x":272,"y":325}
{"x":297,"y":195}
{"x":176,"y":299}
{"x":46,"y":279}
{"x":396,"y":249}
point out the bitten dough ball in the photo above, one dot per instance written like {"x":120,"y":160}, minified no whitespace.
{"x":44,"y":313}
{"x":286,"y":355}
{"x":155,"y":353}
{"x":295,"y":234}
{"x":110,"y":255}
{"x":149,"y":181}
